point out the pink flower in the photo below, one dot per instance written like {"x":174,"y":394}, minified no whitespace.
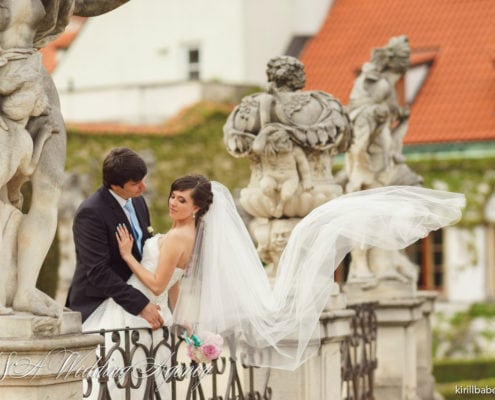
{"x":206,"y":347}
{"x":210,"y":338}
{"x":211,"y":351}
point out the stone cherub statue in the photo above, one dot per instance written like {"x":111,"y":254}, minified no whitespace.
{"x":32,"y":142}
{"x":379,"y":122}
{"x":272,"y":236}
{"x":284,"y":167}
{"x":375,"y":157}
{"x":290,"y":137}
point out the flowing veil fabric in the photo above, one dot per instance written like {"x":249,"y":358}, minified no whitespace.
{"x":227,"y":291}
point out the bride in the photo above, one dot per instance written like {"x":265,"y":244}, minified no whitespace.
{"x":223,"y":285}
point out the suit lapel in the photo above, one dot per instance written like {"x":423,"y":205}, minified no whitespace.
{"x":113,"y":204}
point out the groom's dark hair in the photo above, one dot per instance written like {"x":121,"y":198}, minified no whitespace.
{"x":122,"y":165}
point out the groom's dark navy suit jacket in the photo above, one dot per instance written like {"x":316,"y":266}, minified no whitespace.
{"x":100,"y":270}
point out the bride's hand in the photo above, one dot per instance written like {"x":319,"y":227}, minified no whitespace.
{"x":125,"y":241}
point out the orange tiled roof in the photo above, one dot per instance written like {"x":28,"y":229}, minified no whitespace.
{"x":49,"y":52}
{"x":457,"y":100}
{"x":186,"y":118}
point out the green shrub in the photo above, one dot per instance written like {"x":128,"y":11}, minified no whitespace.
{"x":465,"y":390}
{"x":446,"y":371}
{"x":455,"y":332}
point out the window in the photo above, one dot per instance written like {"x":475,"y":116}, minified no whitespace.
{"x":414,"y":80}
{"x":193,"y":63}
{"x":428,"y":254}
{"x":421,"y":60}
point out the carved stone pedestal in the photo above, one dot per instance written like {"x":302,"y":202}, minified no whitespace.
{"x":42,"y":358}
{"x":320,"y":377}
{"x":426,"y":381}
{"x":374,"y":290}
{"x":396,"y":375}
{"x":404,"y":338}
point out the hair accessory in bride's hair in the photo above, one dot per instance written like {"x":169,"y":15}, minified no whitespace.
{"x":150,"y":230}
{"x":203,"y":347}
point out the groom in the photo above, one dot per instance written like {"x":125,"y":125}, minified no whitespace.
{"x":100,"y":270}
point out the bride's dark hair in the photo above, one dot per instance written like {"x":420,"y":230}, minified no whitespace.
{"x":201,"y":192}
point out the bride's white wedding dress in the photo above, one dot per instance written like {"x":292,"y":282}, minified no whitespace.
{"x":110,"y":315}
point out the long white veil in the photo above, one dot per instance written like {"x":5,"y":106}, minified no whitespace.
{"x":227,"y":291}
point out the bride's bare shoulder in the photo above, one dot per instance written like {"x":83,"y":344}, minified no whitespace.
{"x":176,"y":237}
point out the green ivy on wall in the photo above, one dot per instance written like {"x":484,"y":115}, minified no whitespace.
{"x":475,"y":177}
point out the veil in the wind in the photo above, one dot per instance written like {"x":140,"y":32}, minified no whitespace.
{"x":227,"y":291}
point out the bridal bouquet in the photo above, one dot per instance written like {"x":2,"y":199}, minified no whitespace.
{"x":203,"y":347}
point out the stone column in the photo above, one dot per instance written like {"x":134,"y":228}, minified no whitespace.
{"x":396,"y":375}
{"x":42,"y":358}
{"x":426,"y":381}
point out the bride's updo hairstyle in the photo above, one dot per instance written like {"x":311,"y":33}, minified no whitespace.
{"x":201,"y":192}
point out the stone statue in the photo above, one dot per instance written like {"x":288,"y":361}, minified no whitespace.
{"x":272,"y":236}
{"x":284,"y":167}
{"x":379,"y":122}
{"x":290,"y":137}
{"x":375,"y":157}
{"x":32,"y":139}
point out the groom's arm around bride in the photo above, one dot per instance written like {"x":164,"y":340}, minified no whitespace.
{"x":101,"y":272}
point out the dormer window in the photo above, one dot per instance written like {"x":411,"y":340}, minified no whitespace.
{"x":415,"y":77}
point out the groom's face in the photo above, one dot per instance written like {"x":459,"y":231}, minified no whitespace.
{"x":130,"y":189}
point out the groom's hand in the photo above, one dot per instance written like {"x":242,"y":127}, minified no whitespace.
{"x":151,"y":313}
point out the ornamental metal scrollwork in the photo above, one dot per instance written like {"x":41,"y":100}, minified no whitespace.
{"x":136,"y":363}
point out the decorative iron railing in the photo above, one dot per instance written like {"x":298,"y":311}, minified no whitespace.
{"x":137,"y":363}
{"x":358,"y":351}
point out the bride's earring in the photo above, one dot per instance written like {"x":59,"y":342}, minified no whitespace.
{"x":194,"y":216}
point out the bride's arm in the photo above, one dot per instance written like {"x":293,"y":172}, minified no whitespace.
{"x":171,"y":250}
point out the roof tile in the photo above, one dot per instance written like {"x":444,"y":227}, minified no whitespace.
{"x":457,"y":101}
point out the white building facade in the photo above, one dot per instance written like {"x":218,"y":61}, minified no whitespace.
{"x":146,"y":60}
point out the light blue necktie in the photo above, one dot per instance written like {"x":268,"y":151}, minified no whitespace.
{"x":136,"y":229}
